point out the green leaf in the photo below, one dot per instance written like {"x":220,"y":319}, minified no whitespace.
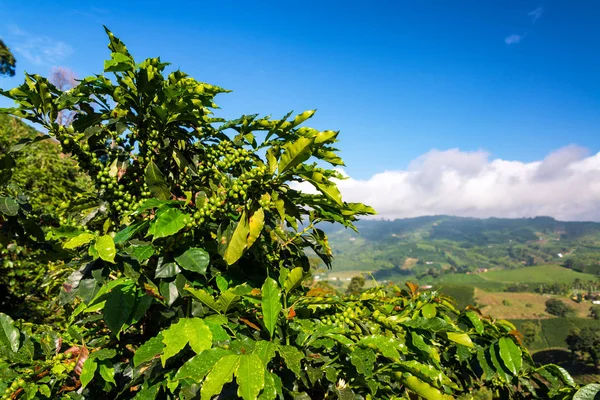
{"x":44,"y":390}
{"x":107,"y":372}
{"x":295,"y":153}
{"x":187,"y":330}
{"x":388,"y":346}
{"x":9,"y":334}
{"x":270,"y":390}
{"x":293,"y":279}
{"x":363,"y":360}
{"x":205,"y":298}
{"x":265,"y":350}
{"x":9,"y":206}
{"x":79,"y":240}
{"x":106,"y":248}
{"x":588,"y":392}
{"x":118,"y":63}
{"x":148,"y":350}
{"x":88,"y":371}
{"x":194,"y":259}
{"x":510,"y":354}
{"x":119,"y":304}
{"x":141,"y":253}
{"x":168,"y":223}
{"x":198,"y":366}
{"x":256,"y":224}
{"x":475,"y":321}
{"x":129,"y":232}
{"x":166,"y":270}
{"x":292,"y":357}
{"x":250,"y":376}
{"x":156,"y":182}
{"x":561,"y":373}
{"x":236,"y":244}
{"x":429,"y":310}
{"x":220,"y":374}
{"x":460,"y":338}
{"x":271,"y":304}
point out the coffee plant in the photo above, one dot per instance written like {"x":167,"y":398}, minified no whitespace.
{"x":191,"y":273}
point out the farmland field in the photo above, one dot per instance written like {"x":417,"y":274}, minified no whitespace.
{"x":506,"y":305}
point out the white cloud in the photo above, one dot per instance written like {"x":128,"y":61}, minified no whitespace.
{"x":513,"y":39}
{"x":38,"y":50}
{"x":564,"y":185}
{"x":536,"y":14}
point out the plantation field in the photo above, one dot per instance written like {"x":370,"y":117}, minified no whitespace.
{"x":506,"y":305}
{"x":553,"y":331}
{"x":538,"y":274}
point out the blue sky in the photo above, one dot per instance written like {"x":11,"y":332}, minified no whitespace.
{"x":515,"y":79}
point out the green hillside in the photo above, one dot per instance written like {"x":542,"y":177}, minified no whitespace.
{"x":441,"y":245}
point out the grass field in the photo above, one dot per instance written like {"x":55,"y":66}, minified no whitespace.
{"x":506,"y":305}
{"x":538,"y":274}
{"x":498,"y":281}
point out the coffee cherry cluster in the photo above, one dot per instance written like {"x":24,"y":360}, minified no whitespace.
{"x":14,"y":386}
{"x":225,"y":157}
{"x":121,"y":193}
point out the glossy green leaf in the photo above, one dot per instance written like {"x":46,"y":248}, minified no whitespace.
{"x":256,"y":224}
{"x":510,"y":354}
{"x":236,"y":244}
{"x":79,"y":240}
{"x":141,"y":253}
{"x":105,"y":246}
{"x":292,"y":357}
{"x":9,"y":206}
{"x":250,"y":376}
{"x":388,"y":346}
{"x":125,"y":234}
{"x":293,"y":279}
{"x":270,"y":391}
{"x":205,"y":298}
{"x":187,"y":330}
{"x":168,"y":223}
{"x":475,"y":321}
{"x":149,"y":350}
{"x":429,"y":310}
{"x":460,"y":338}
{"x":194,"y":259}
{"x":265,"y":350}
{"x":588,"y":392}
{"x":107,"y":372}
{"x":295,"y":153}
{"x":198,"y":366}
{"x":363,"y":360}
{"x":219,"y":375}
{"x":156,"y":182}
{"x":87,"y":372}
{"x":166,"y":270}
{"x":118,"y":307}
{"x":271,"y":304}
{"x":9,"y":334}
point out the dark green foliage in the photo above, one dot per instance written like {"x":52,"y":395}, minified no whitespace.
{"x":586,"y":342}
{"x":356,"y":285}
{"x":7,"y":60}
{"x":559,"y":308}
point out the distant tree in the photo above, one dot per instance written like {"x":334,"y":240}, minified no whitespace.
{"x":530,"y":331}
{"x":558,"y":308}
{"x":595,"y":312}
{"x":586,"y":342}
{"x":7,"y":60}
{"x":356,"y":285}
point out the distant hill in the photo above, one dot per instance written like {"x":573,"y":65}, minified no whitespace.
{"x":434,"y":245}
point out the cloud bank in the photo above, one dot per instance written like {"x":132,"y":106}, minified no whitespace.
{"x":564,"y":185}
